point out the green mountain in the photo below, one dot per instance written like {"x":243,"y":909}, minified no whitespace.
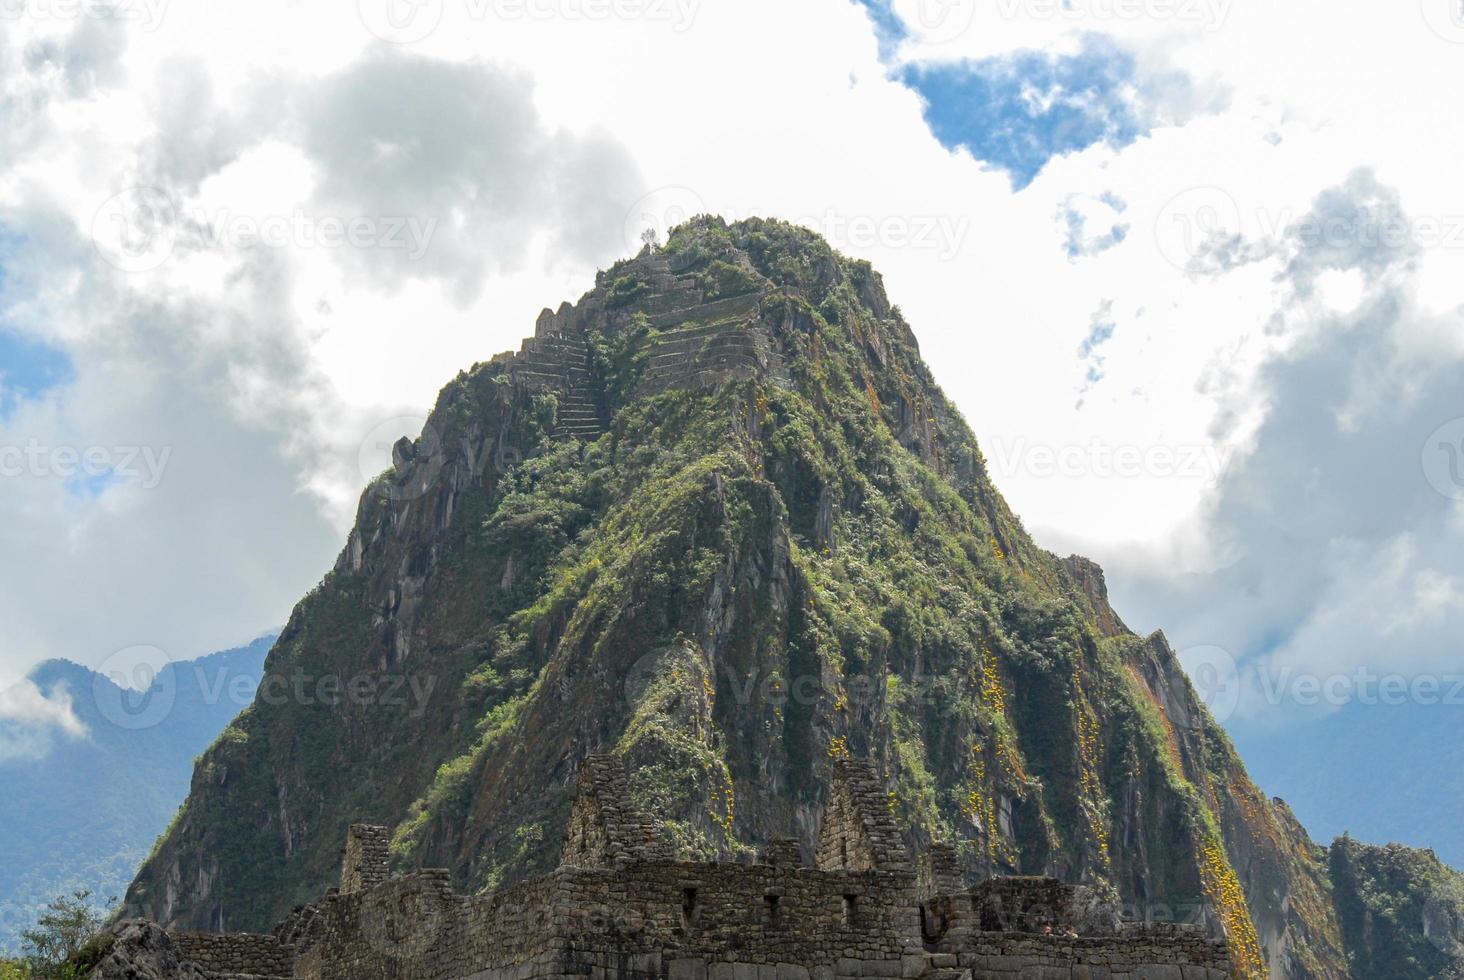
{"x":1402,"y":912}
{"x":85,"y":813}
{"x":718,"y":519}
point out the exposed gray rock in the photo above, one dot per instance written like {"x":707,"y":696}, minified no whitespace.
{"x":141,"y":950}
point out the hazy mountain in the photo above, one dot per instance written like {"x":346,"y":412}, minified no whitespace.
{"x":87,"y":812}
{"x":1381,"y":772}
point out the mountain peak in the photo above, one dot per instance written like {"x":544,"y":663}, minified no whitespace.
{"x":716,"y":519}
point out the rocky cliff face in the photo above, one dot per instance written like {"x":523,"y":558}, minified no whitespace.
{"x":718,"y":519}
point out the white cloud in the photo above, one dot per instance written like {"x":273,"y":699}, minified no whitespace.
{"x":530,"y":139}
{"x":29,"y":720}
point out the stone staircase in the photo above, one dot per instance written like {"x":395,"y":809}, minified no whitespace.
{"x":560,"y":364}
{"x":943,"y":966}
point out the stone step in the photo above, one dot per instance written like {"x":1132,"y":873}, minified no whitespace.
{"x":709,"y":378}
{"x":683,"y":362}
{"x":671,"y":302}
{"x":530,"y":379}
{"x":697,"y":345}
{"x":945,"y":974}
{"x":717,"y":308}
{"x":538,"y":362}
{"x":587,"y":432}
{"x":709,"y":328}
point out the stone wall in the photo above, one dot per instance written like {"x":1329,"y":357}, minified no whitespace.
{"x":1018,"y":905}
{"x":859,"y":831}
{"x":604,"y":827}
{"x":785,"y":852}
{"x":366,"y":860}
{"x":236,"y":953}
{"x":940,"y":871}
{"x":1142,"y":956}
{"x":632,"y":922}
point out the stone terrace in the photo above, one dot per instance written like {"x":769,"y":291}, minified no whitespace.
{"x":620,"y":908}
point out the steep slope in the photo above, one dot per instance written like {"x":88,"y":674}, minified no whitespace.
{"x":85,"y":814}
{"x":718,"y":518}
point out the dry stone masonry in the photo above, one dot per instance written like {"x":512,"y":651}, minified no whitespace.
{"x":620,"y":907}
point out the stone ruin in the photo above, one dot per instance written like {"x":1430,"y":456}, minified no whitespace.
{"x":621,"y":907}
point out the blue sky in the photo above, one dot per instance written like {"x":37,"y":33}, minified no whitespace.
{"x":1017,"y":111}
{"x":28,"y":368}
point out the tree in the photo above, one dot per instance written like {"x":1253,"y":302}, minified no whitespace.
{"x":61,"y":934}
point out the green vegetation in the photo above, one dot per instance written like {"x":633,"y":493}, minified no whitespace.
{"x":66,"y":943}
{"x":1402,"y":912}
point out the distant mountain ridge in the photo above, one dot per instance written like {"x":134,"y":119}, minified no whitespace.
{"x":86,"y":814}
